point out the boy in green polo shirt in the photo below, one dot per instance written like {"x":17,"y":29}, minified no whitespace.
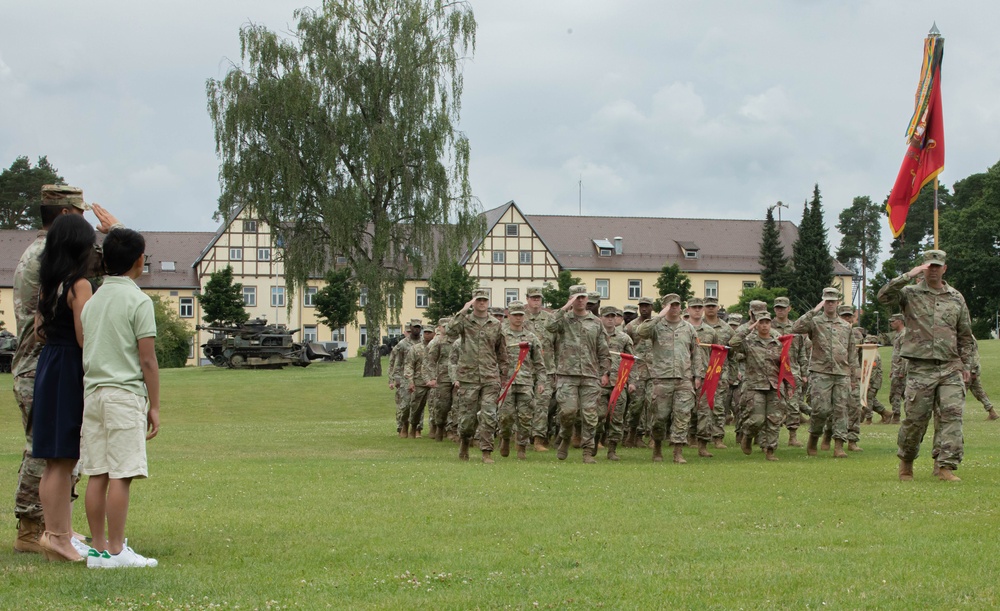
{"x":121,"y":407}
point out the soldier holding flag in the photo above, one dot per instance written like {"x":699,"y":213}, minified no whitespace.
{"x":762,"y":382}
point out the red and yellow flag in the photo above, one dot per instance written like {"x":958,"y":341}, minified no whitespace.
{"x":525,"y":348}
{"x":714,"y":372}
{"x":624,"y":368}
{"x":785,"y":369}
{"x":924,"y":157}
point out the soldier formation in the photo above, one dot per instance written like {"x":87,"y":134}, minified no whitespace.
{"x":541,"y":378}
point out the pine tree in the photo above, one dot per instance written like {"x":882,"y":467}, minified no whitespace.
{"x":811,"y":257}
{"x":773,"y":262}
{"x":450,"y":287}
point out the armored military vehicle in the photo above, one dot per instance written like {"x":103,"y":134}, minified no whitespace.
{"x":8,"y":345}
{"x":258,"y":345}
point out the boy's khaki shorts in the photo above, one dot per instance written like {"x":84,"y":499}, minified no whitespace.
{"x":113,"y":437}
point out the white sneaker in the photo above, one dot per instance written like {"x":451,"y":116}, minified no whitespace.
{"x":127,"y":559}
{"x":81,"y":548}
{"x":96,"y":559}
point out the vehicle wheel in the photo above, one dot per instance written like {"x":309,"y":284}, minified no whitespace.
{"x":237,"y":361}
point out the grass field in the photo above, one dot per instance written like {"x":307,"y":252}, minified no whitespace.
{"x":289,"y":489}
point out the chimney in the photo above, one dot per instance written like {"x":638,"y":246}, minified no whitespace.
{"x":618,"y":245}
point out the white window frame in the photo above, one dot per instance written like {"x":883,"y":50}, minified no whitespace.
{"x":512,"y":226}
{"x":499,"y":257}
{"x":235,"y":254}
{"x":634,"y":289}
{"x":603,"y":287}
{"x":364,"y":335}
{"x":249,"y":226}
{"x":191,"y":347}
{"x":185,"y":304}
{"x":310,"y":333}
{"x":168,"y":266}
{"x":712,"y":288}
{"x":423,"y":296}
{"x":510,"y":295}
{"x":250,"y":296}
{"x":339,"y":335}
{"x":309,"y":297}
{"x":277,"y":296}
{"x":690,"y":254}
{"x":524,"y":257}
{"x":264,"y":254}
{"x":363,"y":297}
{"x":749,"y":284}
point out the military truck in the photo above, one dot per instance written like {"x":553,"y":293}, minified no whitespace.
{"x":258,"y":345}
{"x":8,"y":345}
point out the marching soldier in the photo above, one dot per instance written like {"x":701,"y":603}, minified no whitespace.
{"x":854,"y":409}
{"x":419,"y":377}
{"x":723,"y":391}
{"x":543,"y":422}
{"x":637,"y":416}
{"x":977,"y":390}
{"x":765,"y":409}
{"x":438,"y":355}
{"x":871,"y":397}
{"x":703,"y":425}
{"x":799,"y":357}
{"x":397,"y":364}
{"x":518,"y":406}
{"x":620,"y":342}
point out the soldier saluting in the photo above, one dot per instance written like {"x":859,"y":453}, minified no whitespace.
{"x":939,"y":349}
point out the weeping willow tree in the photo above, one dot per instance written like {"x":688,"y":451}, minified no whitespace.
{"x":342,"y":137}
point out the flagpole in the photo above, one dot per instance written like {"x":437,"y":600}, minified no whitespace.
{"x":935,"y":213}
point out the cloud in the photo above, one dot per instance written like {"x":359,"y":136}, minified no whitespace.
{"x":5,"y":70}
{"x":771,"y":106}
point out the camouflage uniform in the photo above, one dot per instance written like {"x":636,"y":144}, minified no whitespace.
{"x":638,"y":415}
{"x":618,"y":341}
{"x":703,"y":418}
{"x":976,"y":384}
{"x":874,"y":385}
{"x":397,"y":363}
{"x":897,"y":373}
{"x":741,"y":408}
{"x":482,"y":364}
{"x":939,"y":346}
{"x":582,"y":358}
{"x":799,"y":357}
{"x":438,"y":355}
{"x":27,"y":505}
{"x":765,"y":409}
{"x":734,"y":373}
{"x":456,"y":351}
{"x":723,"y":391}
{"x":855,"y":409}
{"x":674,"y":362}
{"x":418,"y":371}
{"x":832,"y":367}
{"x":543,"y":422}
{"x":519,"y":404}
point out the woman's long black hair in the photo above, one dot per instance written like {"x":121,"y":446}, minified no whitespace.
{"x":69,"y":246}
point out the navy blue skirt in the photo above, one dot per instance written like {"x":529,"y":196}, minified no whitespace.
{"x":57,"y":409}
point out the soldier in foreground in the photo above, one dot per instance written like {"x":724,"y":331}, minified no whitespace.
{"x":420,"y":377}
{"x":518,"y":407}
{"x":620,"y":342}
{"x":832,"y":368}
{"x":543,"y":421}
{"x":482,"y":364}
{"x":703,"y":428}
{"x":799,"y":358}
{"x":583,"y":364}
{"x":637,"y":416}
{"x":723,"y":391}
{"x":940,"y":350}
{"x":765,"y":409}
{"x":674,"y":361}
{"x":440,"y":400}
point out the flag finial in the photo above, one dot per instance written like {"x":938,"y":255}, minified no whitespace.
{"x":934,"y":31}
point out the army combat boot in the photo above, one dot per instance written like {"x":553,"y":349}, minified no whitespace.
{"x":28,"y":532}
{"x":826,"y":441}
{"x":657,"y":450}
{"x":439,"y":434}
{"x":793,"y":440}
{"x":746,"y":444}
{"x":540,"y":445}
{"x":811,"y":447}
{"x":505,"y":447}
{"x":463,"y":449}
{"x":838,"y":449}
{"x":563,"y":451}
{"x":487,"y":457}
{"x":852,"y":446}
{"x":905,"y":470}
{"x":703,"y":449}
{"x":679,"y":454}
{"x":403,"y":430}
{"x":769,"y":454}
{"x":588,"y":456}
{"x":717,"y":444}
{"x":612,"y":454}
{"x":991,"y":414}
{"x":945,"y":475}
{"x":521,"y":453}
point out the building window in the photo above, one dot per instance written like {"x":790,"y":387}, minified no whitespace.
{"x":309,"y":297}
{"x":168,"y":266}
{"x":309,"y":334}
{"x":363,"y":299}
{"x":690,"y":254}
{"x":634,"y":289}
{"x":145,"y":268}
{"x":187,"y":307}
{"x":394,"y":331}
{"x":235,"y":254}
{"x":277,"y":296}
{"x":511,"y":230}
{"x":499,"y":257}
{"x":263,"y":254}
{"x":250,"y":296}
{"x":249,"y":226}
{"x":422,"y":297}
{"x":340,"y":335}
{"x":749,"y":284}
{"x":390,"y":301}
{"x":191,"y":347}
{"x":524,"y":258}
{"x":341,"y":260}
{"x":606,"y":252}
{"x":510,"y":295}
{"x":712,"y":288}
{"x":174,"y":293}
{"x":364,"y":336}
{"x":604,"y":288}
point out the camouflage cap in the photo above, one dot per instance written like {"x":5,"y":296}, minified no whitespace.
{"x":696,"y":301}
{"x":593,"y":297}
{"x":735,"y":319}
{"x":712,"y":301}
{"x":645,"y":301}
{"x":480,"y":294}
{"x":763,"y":315}
{"x":515,"y":307}
{"x":578,"y":290}
{"x":429,"y":329}
{"x":497,"y":311}
{"x":845,"y":310}
{"x":871,"y":339}
{"x":670,"y":298}
{"x":831,"y":293}
{"x":609,"y":311}
{"x":631,"y":308}
{"x":63,"y":195}
{"x":416,"y":322}
{"x":758,"y":306}
{"x":934,"y":257}
{"x":898,"y":317}
{"x":443,"y":322}
{"x":781,"y":302}
{"x":534,"y":291}
{"x":407,"y":326}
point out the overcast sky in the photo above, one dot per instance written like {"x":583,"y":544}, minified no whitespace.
{"x":696,"y":109}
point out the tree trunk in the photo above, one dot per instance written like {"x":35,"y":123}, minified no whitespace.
{"x":373,"y":360}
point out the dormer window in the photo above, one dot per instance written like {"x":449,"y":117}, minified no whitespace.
{"x":604,"y":248}
{"x":690,"y":254}
{"x":690,"y":249}
{"x":168,"y":266}
{"x":606,"y":252}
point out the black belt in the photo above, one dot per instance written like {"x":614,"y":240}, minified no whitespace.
{"x":937,"y":362}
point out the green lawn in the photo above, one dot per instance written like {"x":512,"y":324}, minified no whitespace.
{"x":279,"y":489}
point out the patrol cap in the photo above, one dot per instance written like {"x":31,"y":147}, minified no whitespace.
{"x":934,"y":257}
{"x":763,"y":315}
{"x":712,"y":301}
{"x":845,"y":310}
{"x":63,"y":195}
{"x":781,"y":302}
{"x":670,"y":298}
{"x":407,"y":326}
{"x":429,"y":329}
{"x":515,"y":307}
{"x":480,"y":294}
{"x":609,"y":311}
{"x":696,"y":301}
{"x":831,"y":293}
{"x":593,"y":297}
{"x":416,"y":322}
{"x":735,"y":319}
{"x":496,"y":311}
{"x":443,"y":322}
{"x":577,"y":290}
{"x":645,"y":301}
{"x":631,"y":308}
{"x":534,"y":291}
{"x":871,"y":339}
{"x":898,"y":317}
{"x":758,"y":306}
